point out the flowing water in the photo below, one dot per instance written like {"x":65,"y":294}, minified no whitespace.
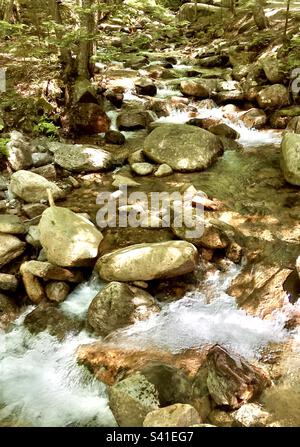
{"x":40,"y":381}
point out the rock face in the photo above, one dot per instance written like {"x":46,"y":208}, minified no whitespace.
{"x":145,"y":262}
{"x":10,"y":248}
{"x":67,"y":238}
{"x":177,"y":415}
{"x":290,"y":158}
{"x":183,"y":147}
{"x":233,"y":381}
{"x":78,"y":157}
{"x":32,"y":187}
{"x":132,"y":399}
{"x":117,"y":306}
{"x":272,"y":97}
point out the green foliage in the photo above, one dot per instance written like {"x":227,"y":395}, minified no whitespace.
{"x":3,"y":148}
{"x":46,"y":127}
{"x":174,"y":5}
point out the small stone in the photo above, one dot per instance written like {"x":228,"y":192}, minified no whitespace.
{"x":251,"y":415}
{"x":163,"y":170}
{"x":47,"y":171}
{"x":10,"y":248}
{"x":33,"y":209}
{"x":33,"y":287}
{"x":142,"y":168}
{"x":41,"y":159}
{"x":46,"y":270}
{"x":33,"y":236}
{"x":114,"y":137}
{"x":145,"y":87}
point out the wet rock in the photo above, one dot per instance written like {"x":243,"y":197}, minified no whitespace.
{"x":167,"y":143}
{"x":79,"y":157}
{"x":119,"y":305}
{"x":33,"y":287}
{"x":145,"y":87}
{"x":89,"y":118}
{"x":223,"y":130}
{"x":272,"y":97}
{"x":142,"y":168}
{"x":159,"y":106}
{"x":259,"y":288}
{"x":8,"y":311}
{"x":254,"y":118}
{"x":163,"y":170}
{"x":202,"y":88}
{"x":67,"y":238}
{"x":114,"y":137}
{"x":251,"y":415}
{"x":32,"y":187}
{"x":177,"y":415}
{"x":110,"y":364}
{"x":19,"y":151}
{"x":148,"y":261}
{"x":233,"y":381}
{"x":115,"y":97}
{"x":134,"y":120}
{"x":231,"y":145}
{"x":47,"y":317}
{"x":11,"y":224}
{"x":8,"y":282}
{"x":10,"y":248}
{"x":172,"y":384}
{"x":57,"y":291}
{"x":132,"y":399}
{"x":290,"y":158}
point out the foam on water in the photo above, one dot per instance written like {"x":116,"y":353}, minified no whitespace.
{"x":193,"y":322}
{"x":40,"y":382}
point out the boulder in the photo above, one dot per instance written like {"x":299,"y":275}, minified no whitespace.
{"x":57,"y":291}
{"x":79,"y":157}
{"x":47,"y":317}
{"x":272,"y":69}
{"x":114,"y":137}
{"x":33,"y":209}
{"x":232,"y":381}
{"x":192,"y":11}
{"x":290,"y":158}
{"x":10,"y":248}
{"x":132,"y":399}
{"x":46,"y":270}
{"x":119,"y":305}
{"x":47,"y":171}
{"x":11,"y":224}
{"x":88,"y":118}
{"x":177,"y":415}
{"x":199,"y":88}
{"x":144,"y":262}
{"x":41,"y":159}
{"x":223,"y":130}
{"x":135,"y":119}
{"x":32,"y":187}
{"x":294,"y":125}
{"x":183,"y":147}
{"x":67,"y":238}
{"x":84,"y":92}
{"x":273,"y":96}
{"x":33,"y":236}
{"x":33,"y":287}
{"x":19,"y":151}
{"x":251,"y":415}
{"x":145,"y":87}
{"x":254,"y":118}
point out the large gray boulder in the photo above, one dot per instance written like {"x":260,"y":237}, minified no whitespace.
{"x":183,"y":147}
{"x":79,"y":157}
{"x":144,"y":262}
{"x":290,"y":158}
{"x":119,"y":305}
{"x":33,"y":187}
{"x":132,"y":399}
{"x":68,"y":239}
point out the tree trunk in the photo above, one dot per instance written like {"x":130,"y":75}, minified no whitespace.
{"x":87,"y":20}
{"x":286,"y":19}
{"x":9,"y":11}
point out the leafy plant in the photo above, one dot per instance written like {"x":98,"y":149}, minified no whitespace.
{"x":46,"y":127}
{"x":3,"y":148}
